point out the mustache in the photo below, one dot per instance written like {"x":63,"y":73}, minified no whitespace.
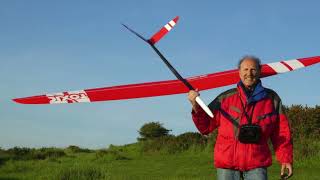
{"x":252,"y":77}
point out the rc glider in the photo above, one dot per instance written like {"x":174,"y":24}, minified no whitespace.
{"x":168,"y":87}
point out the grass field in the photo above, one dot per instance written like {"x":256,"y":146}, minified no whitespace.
{"x":127,"y":162}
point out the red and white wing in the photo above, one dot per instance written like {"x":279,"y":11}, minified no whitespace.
{"x":163,"y":31}
{"x":161,"y":88}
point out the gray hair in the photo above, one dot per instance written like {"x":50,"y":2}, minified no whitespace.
{"x":254,"y":58}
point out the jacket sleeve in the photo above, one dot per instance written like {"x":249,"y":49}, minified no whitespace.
{"x":281,"y":137}
{"x":204,"y":123}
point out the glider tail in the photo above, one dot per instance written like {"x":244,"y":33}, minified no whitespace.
{"x":163,"y":31}
{"x":158,"y":35}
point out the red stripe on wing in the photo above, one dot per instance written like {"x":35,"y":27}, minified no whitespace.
{"x":284,"y":63}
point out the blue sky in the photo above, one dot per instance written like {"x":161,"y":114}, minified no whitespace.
{"x":54,"y":46}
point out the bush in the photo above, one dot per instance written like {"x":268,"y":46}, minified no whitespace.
{"x":111,"y":155}
{"x":305,"y":121}
{"x":45,"y":153}
{"x":4,"y":156}
{"x":76,"y":149}
{"x":18,"y":153}
{"x":161,"y":144}
{"x":152,"y":130}
{"x":172,"y":144}
{"x":188,"y":139}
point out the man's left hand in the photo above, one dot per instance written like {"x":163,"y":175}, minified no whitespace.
{"x":285,"y":166}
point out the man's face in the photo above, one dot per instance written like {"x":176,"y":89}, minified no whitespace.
{"x":249,"y":73}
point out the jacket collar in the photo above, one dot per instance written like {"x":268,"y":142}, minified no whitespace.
{"x":258,"y":93}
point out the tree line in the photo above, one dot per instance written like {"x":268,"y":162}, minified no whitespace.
{"x":155,"y":138}
{"x":304,"y":122}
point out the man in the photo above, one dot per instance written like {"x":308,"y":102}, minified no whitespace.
{"x":246,"y":117}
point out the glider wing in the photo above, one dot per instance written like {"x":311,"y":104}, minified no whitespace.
{"x":160,"y":88}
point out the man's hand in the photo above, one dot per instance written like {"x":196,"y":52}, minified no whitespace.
{"x":192,"y":98}
{"x":285,"y":166}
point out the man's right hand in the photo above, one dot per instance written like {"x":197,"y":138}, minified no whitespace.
{"x":192,"y":98}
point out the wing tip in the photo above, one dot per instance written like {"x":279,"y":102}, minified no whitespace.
{"x":176,"y":19}
{"x":19,"y":101}
{"x":31,"y":100}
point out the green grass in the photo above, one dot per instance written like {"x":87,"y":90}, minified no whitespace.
{"x":127,"y":162}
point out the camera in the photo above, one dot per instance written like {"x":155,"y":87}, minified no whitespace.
{"x":249,"y":134}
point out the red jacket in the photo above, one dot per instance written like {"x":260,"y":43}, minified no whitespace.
{"x":268,"y":113}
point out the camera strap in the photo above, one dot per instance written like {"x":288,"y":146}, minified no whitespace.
{"x":244,"y":112}
{"x":233,"y":120}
